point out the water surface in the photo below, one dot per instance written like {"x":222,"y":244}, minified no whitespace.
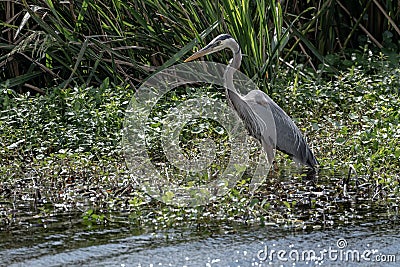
{"x":340,"y":222}
{"x":364,"y":245}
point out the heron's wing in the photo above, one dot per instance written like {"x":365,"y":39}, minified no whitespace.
{"x":258,"y":120}
{"x":288,"y":137}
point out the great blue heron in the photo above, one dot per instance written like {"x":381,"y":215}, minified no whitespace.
{"x":252,"y":108}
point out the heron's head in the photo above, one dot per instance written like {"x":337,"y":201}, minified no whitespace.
{"x":218,"y":43}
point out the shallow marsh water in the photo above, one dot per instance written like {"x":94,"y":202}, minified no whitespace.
{"x":355,"y":235}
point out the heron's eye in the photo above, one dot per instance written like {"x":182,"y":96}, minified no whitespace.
{"x":217,"y":43}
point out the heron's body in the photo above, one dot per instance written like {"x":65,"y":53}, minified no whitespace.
{"x":255,"y":110}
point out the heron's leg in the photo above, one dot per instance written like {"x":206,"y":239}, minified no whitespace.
{"x":269,"y":150}
{"x":276,"y":168}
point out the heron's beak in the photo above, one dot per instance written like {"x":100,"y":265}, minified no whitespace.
{"x":202,"y":52}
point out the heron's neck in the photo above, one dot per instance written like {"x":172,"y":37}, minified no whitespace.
{"x":232,"y":67}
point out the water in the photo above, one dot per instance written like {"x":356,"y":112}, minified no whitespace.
{"x":341,"y":227}
{"x":242,"y":247}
